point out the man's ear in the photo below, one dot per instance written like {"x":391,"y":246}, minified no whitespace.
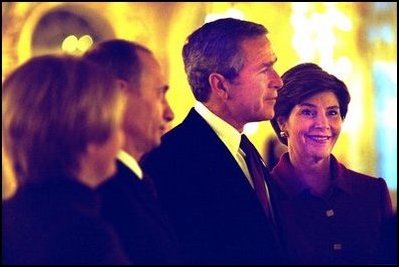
{"x":122,"y":85}
{"x":218,"y":85}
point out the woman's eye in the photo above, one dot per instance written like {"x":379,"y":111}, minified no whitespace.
{"x":333,"y":112}
{"x":307,"y":112}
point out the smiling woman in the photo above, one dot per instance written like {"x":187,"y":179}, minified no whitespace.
{"x":328,"y":214}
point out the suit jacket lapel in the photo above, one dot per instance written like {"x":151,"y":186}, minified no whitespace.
{"x":230,"y":173}
{"x":137,"y":191}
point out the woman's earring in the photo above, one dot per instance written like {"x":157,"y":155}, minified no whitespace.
{"x":283,"y":134}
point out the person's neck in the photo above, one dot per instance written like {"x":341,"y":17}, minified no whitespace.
{"x":315,"y":172}
{"x":88,"y":176}
{"x":225,"y":114}
{"x":133,"y":149}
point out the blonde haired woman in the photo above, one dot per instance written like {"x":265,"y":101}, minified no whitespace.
{"x":61,"y":118}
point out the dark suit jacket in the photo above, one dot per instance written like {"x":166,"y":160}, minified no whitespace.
{"x":213,"y":208}
{"x":57,"y":222}
{"x":135,"y":214}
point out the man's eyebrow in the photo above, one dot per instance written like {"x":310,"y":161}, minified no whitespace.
{"x":270,"y":63}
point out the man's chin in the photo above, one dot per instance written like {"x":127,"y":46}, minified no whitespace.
{"x":155,"y":143}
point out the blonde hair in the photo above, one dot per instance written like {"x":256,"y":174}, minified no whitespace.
{"x":52,"y":108}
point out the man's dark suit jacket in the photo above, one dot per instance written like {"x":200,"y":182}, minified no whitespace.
{"x":136,"y":216}
{"x":213,"y":208}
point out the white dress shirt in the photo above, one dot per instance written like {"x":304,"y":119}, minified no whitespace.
{"x":131,"y":163}
{"x":227,"y":133}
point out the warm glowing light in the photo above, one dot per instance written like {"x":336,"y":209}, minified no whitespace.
{"x":230,"y":13}
{"x":343,"y":68}
{"x":69,"y":44}
{"x":341,"y":21}
{"x":73,"y":45}
{"x":315,"y":32}
{"x":251,"y":128}
{"x":84,"y":43}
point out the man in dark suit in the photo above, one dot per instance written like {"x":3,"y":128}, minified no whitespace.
{"x":129,"y":198}
{"x":200,"y":172}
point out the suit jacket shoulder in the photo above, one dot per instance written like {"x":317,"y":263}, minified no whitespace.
{"x":137,"y":217}
{"x":211,"y":204}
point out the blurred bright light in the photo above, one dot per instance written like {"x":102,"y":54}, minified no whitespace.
{"x":84,"y":43}
{"x":230,"y":13}
{"x":73,"y":45}
{"x":385,"y":83}
{"x":343,"y":68}
{"x":69,"y":44}
{"x":251,"y":128}
{"x":315,"y":31}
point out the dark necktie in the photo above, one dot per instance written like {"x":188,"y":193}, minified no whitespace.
{"x":255,"y":167}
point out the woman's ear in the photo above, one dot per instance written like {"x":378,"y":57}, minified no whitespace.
{"x":218,"y":84}
{"x":122,"y":85}
{"x":281,"y":123}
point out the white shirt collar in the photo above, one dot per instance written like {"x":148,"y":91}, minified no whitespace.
{"x":227,"y":133}
{"x":131,"y":163}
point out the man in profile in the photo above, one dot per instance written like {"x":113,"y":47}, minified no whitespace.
{"x":200,"y":170}
{"x":130,"y":201}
